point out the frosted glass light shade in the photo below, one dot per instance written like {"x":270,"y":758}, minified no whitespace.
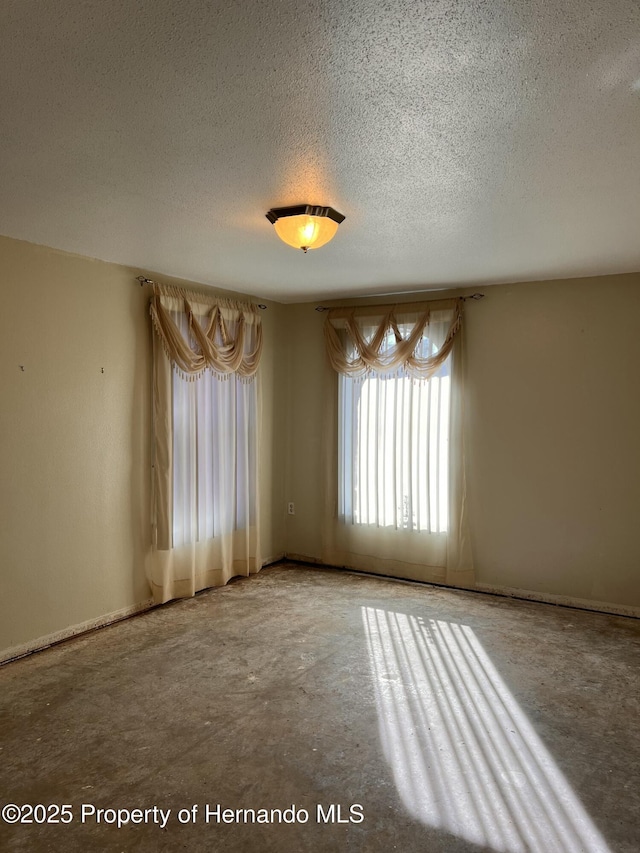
{"x":305,"y":226}
{"x":305,"y":231}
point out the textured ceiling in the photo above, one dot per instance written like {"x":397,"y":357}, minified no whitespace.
{"x":466,"y":142}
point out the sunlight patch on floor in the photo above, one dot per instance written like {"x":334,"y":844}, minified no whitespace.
{"x":463,"y":755}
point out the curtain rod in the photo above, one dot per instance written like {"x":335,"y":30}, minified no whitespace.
{"x":464,"y":299}
{"x":263,"y":307}
{"x":144,"y":280}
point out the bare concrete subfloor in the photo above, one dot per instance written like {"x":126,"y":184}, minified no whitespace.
{"x":436,"y":720}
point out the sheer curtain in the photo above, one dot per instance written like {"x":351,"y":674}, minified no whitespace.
{"x":396,"y":491}
{"x":205,"y":406}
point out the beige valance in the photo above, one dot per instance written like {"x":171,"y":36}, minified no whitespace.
{"x":416,"y":337}
{"x":217,"y":333}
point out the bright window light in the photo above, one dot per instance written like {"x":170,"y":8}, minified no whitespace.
{"x":394,"y":451}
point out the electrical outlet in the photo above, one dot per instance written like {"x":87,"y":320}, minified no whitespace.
{"x":291,"y":508}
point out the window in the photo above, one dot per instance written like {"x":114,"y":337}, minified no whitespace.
{"x":393,"y":441}
{"x":206,"y":354}
{"x":394,"y":413}
{"x":214,"y":457}
{"x":398,"y":450}
{"x":214,"y":453}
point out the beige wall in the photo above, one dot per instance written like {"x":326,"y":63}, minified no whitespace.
{"x":553,"y":436}
{"x":306,"y":424}
{"x":273,"y":448}
{"x":75,"y":442}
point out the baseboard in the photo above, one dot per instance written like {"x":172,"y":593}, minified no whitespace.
{"x":309,"y":561}
{"x":560,"y":600}
{"x":489,"y":589}
{"x":269,"y":561}
{"x":41,"y":643}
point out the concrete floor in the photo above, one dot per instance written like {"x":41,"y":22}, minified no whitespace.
{"x":457,"y":721}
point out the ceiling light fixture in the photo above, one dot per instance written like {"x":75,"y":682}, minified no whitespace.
{"x":305,"y":226}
